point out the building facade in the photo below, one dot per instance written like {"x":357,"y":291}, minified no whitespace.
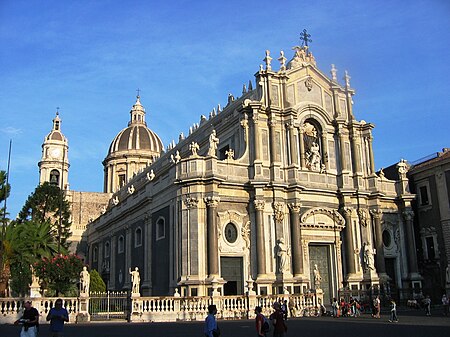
{"x":430,"y":180}
{"x":262,"y":195}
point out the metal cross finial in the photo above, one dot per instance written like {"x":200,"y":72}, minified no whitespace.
{"x":57,"y":110}
{"x":138,"y":92}
{"x":305,"y":38}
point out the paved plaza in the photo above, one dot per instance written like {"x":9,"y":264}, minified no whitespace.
{"x":411,"y":324}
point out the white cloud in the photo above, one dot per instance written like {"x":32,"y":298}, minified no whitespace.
{"x":11,"y":130}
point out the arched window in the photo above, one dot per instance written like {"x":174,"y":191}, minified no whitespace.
{"x":54,"y":177}
{"x":160,"y":229}
{"x":120,"y":244}
{"x":107,"y":249}
{"x":312,"y":140}
{"x":138,"y":237}
{"x":95,"y":254}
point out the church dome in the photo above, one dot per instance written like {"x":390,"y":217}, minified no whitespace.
{"x":137,"y":136}
{"x":132,"y":150}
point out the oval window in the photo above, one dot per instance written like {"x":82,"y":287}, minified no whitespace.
{"x":231,"y":233}
{"x":387,"y":239}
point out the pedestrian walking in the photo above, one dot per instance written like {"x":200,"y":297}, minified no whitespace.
{"x":427,"y":302}
{"x":393,"y":311}
{"x":377,"y":306}
{"x":29,"y":321}
{"x":211,"y":329}
{"x":262,"y":325}
{"x":445,"y":303}
{"x":279,"y":327}
{"x":57,"y":316}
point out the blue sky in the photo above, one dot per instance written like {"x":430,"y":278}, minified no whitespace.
{"x":89,"y":57}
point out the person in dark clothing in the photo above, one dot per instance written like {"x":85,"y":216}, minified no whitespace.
{"x":277,"y":318}
{"x":29,"y":320}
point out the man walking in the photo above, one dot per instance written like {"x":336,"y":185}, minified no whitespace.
{"x":57,"y":316}
{"x":29,"y":320}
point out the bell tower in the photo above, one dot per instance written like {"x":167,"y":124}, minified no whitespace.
{"x":54,"y":164}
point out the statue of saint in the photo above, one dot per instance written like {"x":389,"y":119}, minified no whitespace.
{"x":135,"y":280}
{"x":368,"y":257}
{"x":85,"y":280}
{"x":213,"y":142}
{"x":317,"y":277}
{"x":314,"y":157}
{"x":283,"y":256}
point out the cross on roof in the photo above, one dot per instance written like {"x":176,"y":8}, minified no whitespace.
{"x":305,"y":38}
{"x":138,"y":92}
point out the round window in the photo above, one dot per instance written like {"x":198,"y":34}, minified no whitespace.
{"x":231,"y":233}
{"x":387,"y":239}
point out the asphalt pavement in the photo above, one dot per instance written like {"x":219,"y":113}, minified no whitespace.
{"x":411,"y":324}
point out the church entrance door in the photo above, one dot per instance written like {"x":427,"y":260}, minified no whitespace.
{"x":320,"y":255}
{"x":231,"y":271}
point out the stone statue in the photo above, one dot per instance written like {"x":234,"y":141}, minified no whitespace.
{"x":194,"y":147}
{"x":230,"y":154}
{"x":447,"y":275}
{"x":213,"y":142}
{"x":85,"y":280}
{"x":151,"y":175}
{"x":135,"y":280}
{"x":368,"y":257}
{"x":283,"y":256}
{"x":317,"y":277}
{"x":314,"y":157}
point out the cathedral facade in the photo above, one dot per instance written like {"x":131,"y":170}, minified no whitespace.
{"x":262,"y":195}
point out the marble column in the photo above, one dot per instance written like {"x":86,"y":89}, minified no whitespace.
{"x":302,"y":149}
{"x":256,"y":140}
{"x":292,"y":144}
{"x":356,"y":158}
{"x":297,"y":251}
{"x":410,"y":242}
{"x":342,"y":150}
{"x":348,"y":234}
{"x":372,"y":162}
{"x":260,"y":244}
{"x":381,"y":265}
{"x":213,"y":249}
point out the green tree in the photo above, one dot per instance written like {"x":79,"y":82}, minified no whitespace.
{"x":97,"y":284}
{"x":28,"y":242}
{"x":48,"y":204}
{"x":5,"y":251}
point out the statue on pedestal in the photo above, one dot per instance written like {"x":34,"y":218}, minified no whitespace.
{"x":85,"y":280}
{"x":317,"y":277}
{"x":135,"y":280}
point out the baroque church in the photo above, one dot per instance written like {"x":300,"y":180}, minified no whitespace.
{"x":260,"y":196}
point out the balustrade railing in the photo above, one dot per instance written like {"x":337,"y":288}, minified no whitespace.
{"x":158,"y":309}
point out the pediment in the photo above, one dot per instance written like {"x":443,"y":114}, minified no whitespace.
{"x":321,"y":217}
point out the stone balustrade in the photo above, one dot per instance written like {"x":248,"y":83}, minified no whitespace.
{"x":167,"y":309}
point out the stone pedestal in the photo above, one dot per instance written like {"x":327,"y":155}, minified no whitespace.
{"x":83,"y":314}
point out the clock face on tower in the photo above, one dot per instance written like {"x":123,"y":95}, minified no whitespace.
{"x":55,"y":152}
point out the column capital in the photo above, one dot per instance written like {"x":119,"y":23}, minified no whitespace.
{"x":259,"y":204}
{"x":294,"y":207}
{"x":190,"y":202}
{"x":212,"y":201}
{"x":346,"y":211}
{"x":376,"y":213}
{"x":408,"y":215}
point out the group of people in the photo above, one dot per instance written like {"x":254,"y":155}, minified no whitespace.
{"x":30,"y":320}
{"x":352,"y":308}
{"x":275,"y":322}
